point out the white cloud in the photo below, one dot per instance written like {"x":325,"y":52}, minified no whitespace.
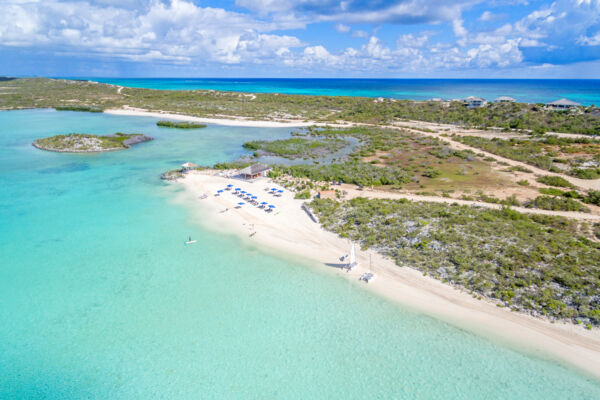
{"x":589,"y":40}
{"x":180,"y":31}
{"x":360,"y":34}
{"x":342,"y":28}
{"x":486,"y":16}
{"x":458,"y":28}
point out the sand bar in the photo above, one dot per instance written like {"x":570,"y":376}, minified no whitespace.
{"x":289,"y":230}
{"x":232,"y":121}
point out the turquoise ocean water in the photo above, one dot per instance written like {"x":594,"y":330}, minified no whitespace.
{"x":100,"y":299}
{"x":584,"y":91}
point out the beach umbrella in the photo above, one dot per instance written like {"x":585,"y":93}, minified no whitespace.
{"x":229,"y":185}
{"x":255,"y":197}
{"x":243,"y":191}
{"x":280,"y":191}
{"x":274,"y":189}
{"x":264,"y":203}
{"x":241,"y":203}
{"x":271,"y":206}
{"x":220,"y":191}
{"x":238,"y":188}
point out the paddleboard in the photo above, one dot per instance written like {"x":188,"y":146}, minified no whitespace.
{"x":190,"y":242}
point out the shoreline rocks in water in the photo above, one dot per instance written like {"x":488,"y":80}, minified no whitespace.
{"x":172,"y":175}
{"x":88,"y":143}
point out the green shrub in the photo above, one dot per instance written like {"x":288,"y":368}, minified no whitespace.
{"x":303,"y":195}
{"x":523,"y":182}
{"x":556,"y":204}
{"x":553,"y":180}
{"x":551,"y":191}
{"x":180,"y":125}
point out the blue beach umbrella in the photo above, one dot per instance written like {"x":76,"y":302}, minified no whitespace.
{"x":241,"y":203}
{"x":229,"y":185}
{"x":238,"y":188}
{"x":255,"y":197}
{"x":280,"y":191}
{"x":264,"y":203}
{"x":274,"y":189}
{"x":271,"y":206}
{"x":220,"y":191}
{"x":243,"y":191}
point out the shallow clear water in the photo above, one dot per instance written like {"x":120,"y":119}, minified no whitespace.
{"x":584,"y":91}
{"x":99,"y":298}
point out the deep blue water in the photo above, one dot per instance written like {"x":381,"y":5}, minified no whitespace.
{"x":586,"y":92}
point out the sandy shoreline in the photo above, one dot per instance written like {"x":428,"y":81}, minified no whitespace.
{"x":289,"y":230}
{"x":131,"y":111}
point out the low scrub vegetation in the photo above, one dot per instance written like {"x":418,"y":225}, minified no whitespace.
{"x":180,"y":125}
{"x":78,"y":108}
{"x":556,"y":203}
{"x":579,"y":157}
{"x":296,"y":147}
{"x":553,"y":180}
{"x":40,"y":92}
{"x":532,"y":263}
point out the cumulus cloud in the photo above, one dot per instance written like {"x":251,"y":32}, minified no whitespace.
{"x":185,"y":32}
{"x":589,"y":40}
{"x":178,"y":30}
{"x":342,"y":28}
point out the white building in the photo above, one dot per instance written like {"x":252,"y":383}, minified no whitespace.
{"x":562,"y":104}
{"x":254,"y":171}
{"x":475,"y":102}
{"x":504,"y":99}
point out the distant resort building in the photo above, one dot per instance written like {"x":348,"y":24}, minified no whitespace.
{"x":254,"y":171}
{"x":475,"y":102}
{"x":562,"y":104}
{"x":504,"y":99}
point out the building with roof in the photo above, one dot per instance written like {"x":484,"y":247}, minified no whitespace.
{"x":504,"y":99}
{"x":188,"y":166}
{"x":562,"y":104}
{"x":254,"y":171}
{"x":475,"y":102}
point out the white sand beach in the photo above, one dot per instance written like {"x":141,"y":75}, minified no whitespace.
{"x":229,"y":121}
{"x":289,"y":230}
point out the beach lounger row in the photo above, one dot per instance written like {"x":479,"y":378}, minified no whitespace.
{"x":249,"y":198}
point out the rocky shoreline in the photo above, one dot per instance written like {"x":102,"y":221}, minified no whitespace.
{"x":86,"y":143}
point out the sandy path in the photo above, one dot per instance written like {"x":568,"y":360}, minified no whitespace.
{"x":379,"y":194}
{"x":583,"y":184}
{"x":291,"y":231}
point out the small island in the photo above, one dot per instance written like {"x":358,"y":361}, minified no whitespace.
{"x":180,"y":125}
{"x":88,"y":143}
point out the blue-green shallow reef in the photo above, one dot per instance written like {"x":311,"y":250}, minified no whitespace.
{"x":99,"y":298}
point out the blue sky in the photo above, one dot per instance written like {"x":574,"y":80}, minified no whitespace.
{"x":301,"y":38}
